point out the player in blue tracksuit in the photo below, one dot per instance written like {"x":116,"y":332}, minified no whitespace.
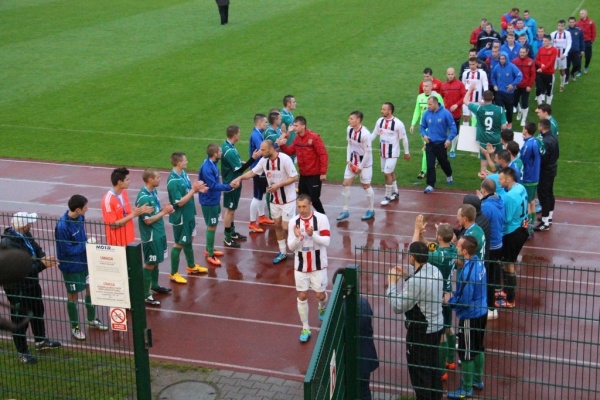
{"x":469,"y":301}
{"x":577,"y":50}
{"x":505,"y":78}
{"x":531,"y":157}
{"x":257,"y":205}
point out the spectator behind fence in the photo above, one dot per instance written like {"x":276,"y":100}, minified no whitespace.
{"x":25,"y":297}
{"x":421,"y":302}
{"x":71,"y":238}
{"x":367,"y":353}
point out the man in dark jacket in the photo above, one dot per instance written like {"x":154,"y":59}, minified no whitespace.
{"x":548,"y":170}
{"x":71,"y":239}
{"x":25,"y":297}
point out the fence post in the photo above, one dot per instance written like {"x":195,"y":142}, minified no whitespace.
{"x":142,"y":339}
{"x":351,"y":290}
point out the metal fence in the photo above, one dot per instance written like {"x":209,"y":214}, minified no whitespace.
{"x":548,"y":346}
{"x":105,"y":365}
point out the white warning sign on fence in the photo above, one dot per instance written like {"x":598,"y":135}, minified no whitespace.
{"x":332,"y":375}
{"x":109,"y":281}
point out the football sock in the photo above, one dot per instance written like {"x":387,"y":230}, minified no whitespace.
{"x":424,"y":161}
{"x":210,"y":242}
{"x":72,"y":311}
{"x":510,"y":285}
{"x":147,"y":281}
{"x":524,"y":115}
{"x":282,"y":248}
{"x":454,"y":143}
{"x":303,"y":312}
{"x":90,"y":308}
{"x":467,"y":374}
{"x":345,"y":197}
{"x":451,"y":343}
{"x":394,"y":187}
{"x":478,"y":367}
{"x":254,"y":204}
{"x":189,"y":254}
{"x":442,"y":351}
{"x":388,"y":190}
{"x":370,"y":197}
{"x":323,"y":304}
{"x":155,"y":277}
{"x":549,"y":99}
{"x":228,"y":234}
{"x":175,"y":253}
{"x":262,"y":206}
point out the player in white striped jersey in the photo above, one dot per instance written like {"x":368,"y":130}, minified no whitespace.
{"x":561,"y":39}
{"x":281,"y":178}
{"x":359,"y":162}
{"x":390,"y":130}
{"x":309,"y":235}
{"x":480,"y":78}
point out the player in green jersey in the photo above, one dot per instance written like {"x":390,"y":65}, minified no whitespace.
{"x":181,"y":194}
{"x":544,"y":111}
{"x":491,"y":119}
{"x":273,"y":130}
{"x":152,"y":231}
{"x":287,"y":119}
{"x":420,"y":108}
{"x":442,"y":254}
{"x":231,"y":168}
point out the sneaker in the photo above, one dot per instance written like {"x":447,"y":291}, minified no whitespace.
{"x":304,"y":335}
{"x":279,"y":258}
{"x":541,"y":226}
{"x":449,"y":180}
{"x":196,"y":269}
{"x":478,"y":385}
{"x":450,"y":365}
{"x":77,"y":333}
{"x":519,"y":113}
{"x":395,"y":196}
{"x":505,"y":304}
{"x":492,"y":314}
{"x":421,"y":175}
{"x":160,"y":290}
{"x":263,"y":219}
{"x":386,"y":200}
{"x":562,"y":88}
{"x":428,"y":189}
{"x":232,"y":243}
{"x":578,"y":74}
{"x":27,"y":358}
{"x":444,"y":377}
{"x":368,"y":215}
{"x":47,"y":344}
{"x":574,"y":78}
{"x":548,"y":221}
{"x":97,"y":324}
{"x":321,"y":314}
{"x":460,"y":393}
{"x":253,"y":227}
{"x":500,"y":294}
{"x":343,"y":215}
{"x":177,"y":278}
{"x":216,"y":253}
{"x":151,"y":301}
{"x":213,"y":260}
{"x":585,"y":70}
{"x":237,"y":236}
{"x":452,"y":154}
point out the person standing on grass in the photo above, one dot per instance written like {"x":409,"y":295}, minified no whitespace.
{"x":577,"y":50}
{"x":154,"y":237}
{"x":281,"y":185}
{"x":359,"y":162}
{"x":116,"y":210}
{"x":26,"y":296}
{"x":183,"y":219}
{"x":309,"y":235}
{"x":258,"y":205}
{"x":210,"y":201}
{"x":437,"y":129}
{"x":223,"y":10}
{"x":545,"y":62}
{"x":561,"y":40}
{"x":71,"y":252}
{"x":231,"y":168}
{"x":589,"y":36}
{"x":420,"y":300}
{"x":442,"y":254}
{"x":469,"y":302}
{"x":312,"y":160}
{"x":527,"y":67}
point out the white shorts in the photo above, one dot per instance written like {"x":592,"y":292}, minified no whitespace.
{"x":316,"y":280}
{"x":388,"y":165}
{"x":365,"y":175}
{"x":285,"y":211}
{"x":561,"y":64}
{"x":466,"y":111}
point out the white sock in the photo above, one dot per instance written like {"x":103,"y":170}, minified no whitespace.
{"x":254,"y":204}
{"x":466,"y":123}
{"x":394,"y":187}
{"x":282,"y":248}
{"x":303,"y":312}
{"x":524,"y":115}
{"x":454,"y":143}
{"x":562,"y":80}
{"x":262,"y":206}
{"x":550,"y":214}
{"x":541,"y":99}
{"x":323,"y":304}
{"x":370,"y":197}
{"x":549,"y":99}
{"x":345,"y":197}
{"x":388,"y":190}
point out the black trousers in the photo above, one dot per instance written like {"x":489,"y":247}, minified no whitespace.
{"x":543,"y":84}
{"x":311,"y":185}
{"x":494,"y":276}
{"x":437,"y":151}
{"x":422,"y":355}
{"x":545,"y":192}
{"x":522,"y":95}
{"x":28,"y":298}
{"x":588,"y":53}
{"x":574,"y":60}
{"x":506,"y":100}
{"x":224,"y":13}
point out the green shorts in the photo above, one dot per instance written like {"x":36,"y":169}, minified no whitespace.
{"x":76,"y":282}
{"x":154,"y":251}
{"x":531,"y":188}
{"x":184,"y":233}
{"x":497,"y":148}
{"x":232,"y":199}
{"x":211,"y":214}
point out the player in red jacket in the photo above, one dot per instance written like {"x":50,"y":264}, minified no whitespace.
{"x":545,"y":60}
{"x":527,"y":67}
{"x":453,"y":92}
{"x":589,"y":36}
